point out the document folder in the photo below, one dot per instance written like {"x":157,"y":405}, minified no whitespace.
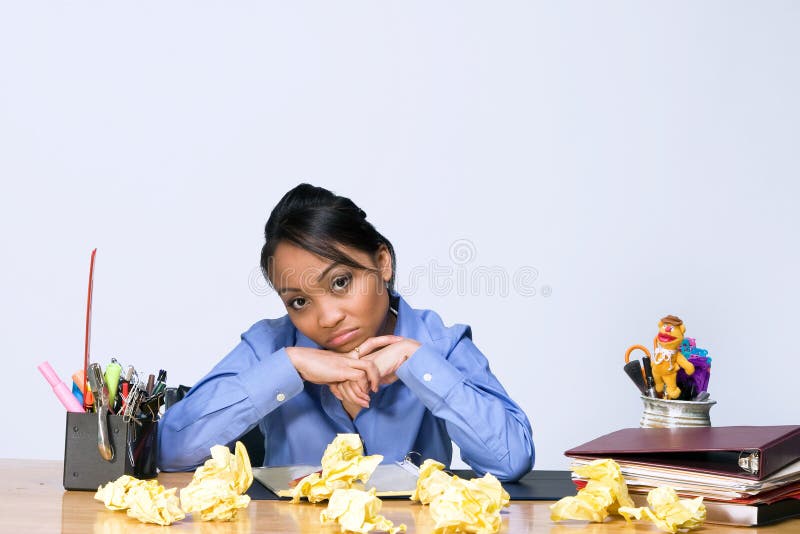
{"x":534,"y":486}
{"x":753,"y":452}
{"x":390,"y":480}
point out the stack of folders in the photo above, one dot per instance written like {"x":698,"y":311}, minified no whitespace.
{"x":747,"y":475}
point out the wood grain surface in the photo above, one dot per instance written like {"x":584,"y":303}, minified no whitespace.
{"x":33,"y":500}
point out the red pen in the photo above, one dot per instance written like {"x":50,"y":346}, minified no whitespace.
{"x":124,"y":396}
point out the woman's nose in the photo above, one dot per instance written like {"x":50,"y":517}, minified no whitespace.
{"x":329,"y":314}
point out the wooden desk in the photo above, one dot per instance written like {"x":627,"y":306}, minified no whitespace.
{"x":33,"y":500}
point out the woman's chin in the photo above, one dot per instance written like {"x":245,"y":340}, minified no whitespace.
{"x":341,"y":349}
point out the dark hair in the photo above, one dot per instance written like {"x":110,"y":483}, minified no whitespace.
{"x":319,"y":221}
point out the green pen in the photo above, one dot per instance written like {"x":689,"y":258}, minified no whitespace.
{"x":113,"y":370}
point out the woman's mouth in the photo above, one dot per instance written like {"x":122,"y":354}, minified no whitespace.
{"x":342,"y":337}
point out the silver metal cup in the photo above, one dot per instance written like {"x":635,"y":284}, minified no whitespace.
{"x":662,"y":413}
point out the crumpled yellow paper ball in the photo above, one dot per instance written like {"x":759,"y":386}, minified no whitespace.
{"x":357,"y":511}
{"x":668,"y":512}
{"x":343,"y":448}
{"x":431,"y":482}
{"x":343,"y":463}
{"x":604,"y":494}
{"x":469,"y":506}
{"x":459,"y":505}
{"x":217,"y":487}
{"x":114,"y":493}
{"x":145,"y":500}
{"x":161,"y":506}
{"x":233,"y":468}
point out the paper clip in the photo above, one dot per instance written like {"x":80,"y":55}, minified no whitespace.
{"x":132,"y":403}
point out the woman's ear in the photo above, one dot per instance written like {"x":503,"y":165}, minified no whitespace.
{"x":383,"y":259}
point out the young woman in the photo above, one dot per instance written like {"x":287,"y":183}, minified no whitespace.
{"x":351,"y":356}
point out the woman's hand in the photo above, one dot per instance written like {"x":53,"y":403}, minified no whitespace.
{"x":356,"y":392}
{"x":327,"y":367}
{"x":391,"y":357}
{"x":388,"y":353}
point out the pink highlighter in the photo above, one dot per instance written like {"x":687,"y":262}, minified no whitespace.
{"x":60,"y":389}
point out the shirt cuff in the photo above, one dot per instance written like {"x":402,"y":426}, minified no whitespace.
{"x":429,"y":376}
{"x":284,"y":382}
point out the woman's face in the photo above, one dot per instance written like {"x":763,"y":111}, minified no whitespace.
{"x":335,"y":305}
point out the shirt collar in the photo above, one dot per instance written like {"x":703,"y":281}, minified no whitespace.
{"x":409,"y":324}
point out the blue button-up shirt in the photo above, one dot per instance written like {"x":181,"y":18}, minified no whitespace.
{"x":445,"y":391}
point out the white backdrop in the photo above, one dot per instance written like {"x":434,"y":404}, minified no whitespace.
{"x":620,"y":160}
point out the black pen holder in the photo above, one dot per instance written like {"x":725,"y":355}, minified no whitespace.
{"x":135,"y":446}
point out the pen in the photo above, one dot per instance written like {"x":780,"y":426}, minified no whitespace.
{"x":648,"y":374}
{"x":634,"y":370}
{"x":79,"y":378}
{"x":76,"y":392}
{"x":130,"y":372}
{"x":113,"y":370}
{"x":161,"y":382}
{"x":125,"y":385}
{"x":150,"y":383}
{"x":124,"y":388}
{"x":64,"y":395}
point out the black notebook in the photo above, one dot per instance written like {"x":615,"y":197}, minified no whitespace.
{"x":535,"y":486}
{"x":753,"y":514}
{"x":742,"y":515}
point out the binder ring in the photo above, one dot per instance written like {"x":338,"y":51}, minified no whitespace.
{"x":410,"y":460}
{"x":748,"y":461}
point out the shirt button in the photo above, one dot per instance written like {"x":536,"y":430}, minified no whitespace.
{"x":427,"y":377}
{"x":281,"y":397}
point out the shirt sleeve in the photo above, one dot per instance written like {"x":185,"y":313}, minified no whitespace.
{"x":491,"y":430}
{"x":240,"y":391}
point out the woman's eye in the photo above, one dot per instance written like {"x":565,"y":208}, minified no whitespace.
{"x":298,"y":303}
{"x":340,"y":282}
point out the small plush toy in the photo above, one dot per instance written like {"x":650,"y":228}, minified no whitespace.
{"x":697,"y":384}
{"x":667,"y":358}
